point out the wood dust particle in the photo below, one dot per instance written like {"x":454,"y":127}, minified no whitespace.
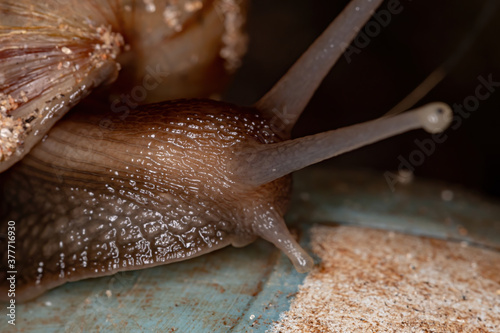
{"x":380,"y":281}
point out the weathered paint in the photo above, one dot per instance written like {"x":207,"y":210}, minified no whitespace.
{"x":247,"y":289}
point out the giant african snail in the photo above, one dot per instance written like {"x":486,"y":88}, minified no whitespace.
{"x":178,"y":179}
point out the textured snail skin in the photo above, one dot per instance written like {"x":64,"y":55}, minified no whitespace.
{"x":164,"y":182}
{"x":173,"y":181}
{"x":146,"y":191}
{"x":64,"y":196}
{"x":54,"y":53}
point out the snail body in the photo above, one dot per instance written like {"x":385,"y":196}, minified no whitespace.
{"x":176,"y":179}
{"x":55,"y":54}
{"x":142,"y":204}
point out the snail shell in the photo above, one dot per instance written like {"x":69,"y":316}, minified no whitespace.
{"x":55,"y":53}
{"x":176,"y":179}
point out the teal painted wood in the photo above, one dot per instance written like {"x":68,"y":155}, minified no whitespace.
{"x":246,"y":289}
{"x":277,"y":292}
{"x":217,"y":292}
{"x":326,"y":195}
{"x":212,"y":293}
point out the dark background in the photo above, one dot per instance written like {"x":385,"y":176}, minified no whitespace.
{"x":418,"y":40}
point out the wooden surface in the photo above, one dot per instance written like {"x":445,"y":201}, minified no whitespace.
{"x":248,"y":289}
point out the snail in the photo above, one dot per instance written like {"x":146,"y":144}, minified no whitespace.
{"x":107,"y":191}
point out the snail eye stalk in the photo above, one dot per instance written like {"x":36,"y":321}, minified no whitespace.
{"x":279,"y":159}
{"x":290,"y":95}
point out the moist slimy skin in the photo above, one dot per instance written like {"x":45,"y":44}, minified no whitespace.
{"x":177,"y":179}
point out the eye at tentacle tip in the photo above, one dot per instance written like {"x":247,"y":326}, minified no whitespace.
{"x":279,"y":159}
{"x":435,"y":117}
{"x":256,"y":164}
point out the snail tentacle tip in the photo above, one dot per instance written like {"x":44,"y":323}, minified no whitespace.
{"x":435,"y":117}
{"x":273,"y":229}
{"x":302,"y":261}
{"x":128,"y":170}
